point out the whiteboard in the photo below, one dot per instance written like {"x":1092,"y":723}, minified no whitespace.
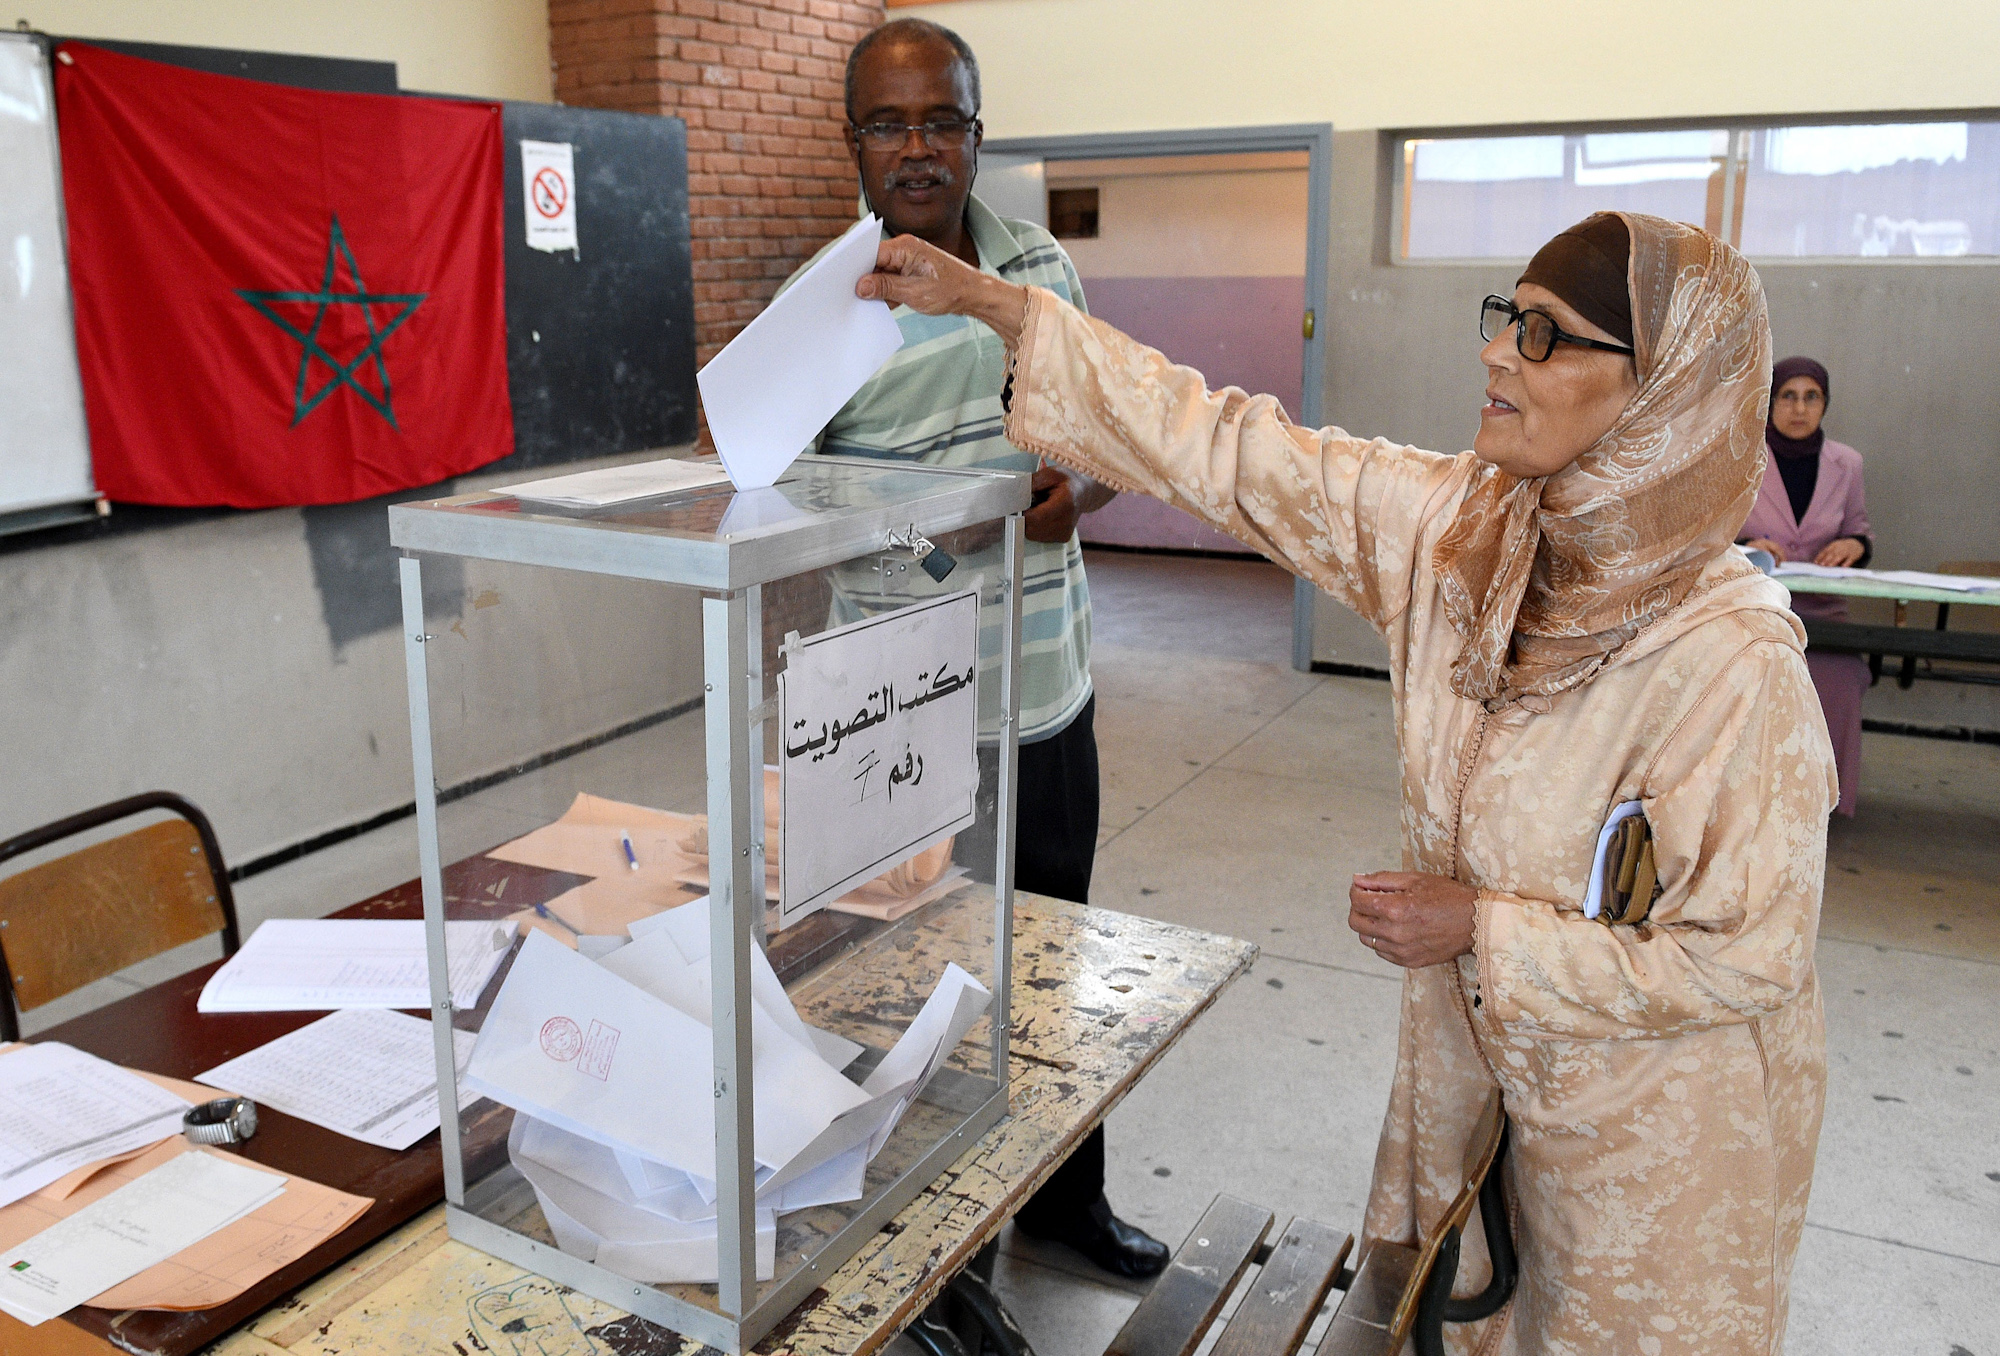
{"x":44,"y":446}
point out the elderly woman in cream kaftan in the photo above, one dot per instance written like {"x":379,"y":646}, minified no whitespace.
{"x":1560,"y":646}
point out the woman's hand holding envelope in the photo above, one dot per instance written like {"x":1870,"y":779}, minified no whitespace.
{"x":910,"y":273}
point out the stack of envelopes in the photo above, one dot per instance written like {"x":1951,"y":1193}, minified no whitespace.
{"x":609,"y":1062}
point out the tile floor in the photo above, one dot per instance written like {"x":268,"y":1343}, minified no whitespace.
{"x":1240,"y":795}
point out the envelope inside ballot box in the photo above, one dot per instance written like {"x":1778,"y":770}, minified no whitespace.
{"x":609,"y":1063}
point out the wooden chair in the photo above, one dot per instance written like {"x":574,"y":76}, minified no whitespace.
{"x":113,"y":904}
{"x":1396,"y":1293}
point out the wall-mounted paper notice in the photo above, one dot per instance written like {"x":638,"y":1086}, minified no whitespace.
{"x":771,"y":391}
{"x":880,"y":726}
{"x":548,"y":194}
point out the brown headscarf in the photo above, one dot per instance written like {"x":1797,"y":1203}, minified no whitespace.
{"x":1546,"y":578}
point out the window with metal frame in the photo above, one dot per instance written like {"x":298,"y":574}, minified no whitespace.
{"x":1917,"y":190}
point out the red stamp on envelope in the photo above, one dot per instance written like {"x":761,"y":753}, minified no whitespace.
{"x":561,"y":1039}
{"x":598,"y":1047}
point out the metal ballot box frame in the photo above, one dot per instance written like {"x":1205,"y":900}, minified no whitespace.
{"x":825,"y":512}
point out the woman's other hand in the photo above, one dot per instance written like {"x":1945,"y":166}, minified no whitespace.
{"x":1838,"y":553}
{"x":1766,"y":544}
{"x":1410,"y":919}
{"x":910,"y":273}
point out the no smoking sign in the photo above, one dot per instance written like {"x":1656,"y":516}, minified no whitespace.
{"x":549,"y":192}
{"x":548,"y":179}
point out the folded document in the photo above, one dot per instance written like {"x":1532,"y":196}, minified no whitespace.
{"x":306,"y":965}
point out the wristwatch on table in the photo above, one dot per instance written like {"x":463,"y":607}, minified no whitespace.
{"x":229,"y":1120}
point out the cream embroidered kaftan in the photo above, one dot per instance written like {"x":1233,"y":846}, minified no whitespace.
{"x":1664,"y":1081}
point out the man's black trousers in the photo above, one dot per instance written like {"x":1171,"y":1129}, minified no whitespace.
{"x":1055,"y":845}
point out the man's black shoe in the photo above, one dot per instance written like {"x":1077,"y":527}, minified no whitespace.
{"x":1106,"y":1240}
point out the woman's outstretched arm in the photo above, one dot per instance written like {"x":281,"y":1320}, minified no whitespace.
{"x":1344,"y":512}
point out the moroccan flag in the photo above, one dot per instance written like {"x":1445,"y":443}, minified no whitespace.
{"x":283,"y":296}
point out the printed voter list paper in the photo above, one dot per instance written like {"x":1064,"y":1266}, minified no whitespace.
{"x":61,"y":1109}
{"x":366,"y":1073}
{"x":770,"y":392}
{"x":303,"y":965}
{"x":137,"y":1226}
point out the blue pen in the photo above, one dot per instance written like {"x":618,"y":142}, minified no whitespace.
{"x":544,"y":911}
{"x":631,"y":857}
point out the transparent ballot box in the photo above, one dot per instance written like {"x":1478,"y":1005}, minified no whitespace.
{"x":730,"y":775}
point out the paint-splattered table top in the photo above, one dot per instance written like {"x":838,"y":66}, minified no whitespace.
{"x":1098,"y":998}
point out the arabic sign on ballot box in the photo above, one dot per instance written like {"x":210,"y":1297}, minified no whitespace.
{"x":880,"y":750}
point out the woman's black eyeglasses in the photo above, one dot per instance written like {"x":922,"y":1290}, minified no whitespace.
{"x":1537,"y":334}
{"x":945,"y":135}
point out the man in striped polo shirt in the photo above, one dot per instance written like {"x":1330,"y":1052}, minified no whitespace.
{"x":913,"y":129}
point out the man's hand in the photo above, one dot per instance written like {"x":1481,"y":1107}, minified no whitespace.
{"x":1053,"y":515}
{"x":1839,"y":552}
{"x":1410,"y":919}
{"x":1766,"y":544}
{"x":1061,"y":498}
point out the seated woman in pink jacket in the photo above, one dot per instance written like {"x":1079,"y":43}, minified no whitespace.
{"x":1811,"y":507}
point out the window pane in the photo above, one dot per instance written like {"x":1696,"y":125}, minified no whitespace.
{"x":1926,"y":188}
{"x":1502,"y":197}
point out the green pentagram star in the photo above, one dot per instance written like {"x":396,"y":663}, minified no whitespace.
{"x":343,"y":372}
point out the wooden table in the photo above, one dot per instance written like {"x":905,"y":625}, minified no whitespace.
{"x":1099,"y":997}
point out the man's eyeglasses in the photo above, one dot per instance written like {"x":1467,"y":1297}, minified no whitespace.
{"x":947,"y":134}
{"x":1536,"y":333}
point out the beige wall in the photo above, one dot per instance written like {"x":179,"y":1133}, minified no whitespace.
{"x":495,"y":49}
{"x":1056,"y":66}
{"x":201,"y":658}
{"x":1190,"y":217}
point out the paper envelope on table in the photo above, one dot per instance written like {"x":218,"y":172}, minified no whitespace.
{"x":585,"y":842}
{"x":604,"y":907}
{"x":219,"y":1267}
{"x":572,"y":1043}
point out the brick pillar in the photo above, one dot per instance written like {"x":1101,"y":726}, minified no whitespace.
{"x":759,"y":83}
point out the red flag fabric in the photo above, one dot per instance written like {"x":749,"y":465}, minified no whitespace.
{"x":283,"y":296}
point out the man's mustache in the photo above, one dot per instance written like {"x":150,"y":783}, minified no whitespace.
{"x":933,"y":170}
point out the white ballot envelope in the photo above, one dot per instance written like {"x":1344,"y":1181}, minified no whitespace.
{"x":138,"y":1226}
{"x":610,"y":1065}
{"x":601,"y":1224}
{"x":796,"y":1094}
{"x":688,"y":924}
{"x":772,"y":389}
{"x":571,"y":1042}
